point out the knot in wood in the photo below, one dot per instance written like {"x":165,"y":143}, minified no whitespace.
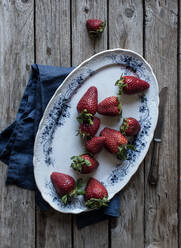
{"x":49,"y":51}
{"x":86,"y":9}
{"x":129,"y":12}
{"x":27,"y":67}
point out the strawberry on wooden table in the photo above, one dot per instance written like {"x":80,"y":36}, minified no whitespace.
{"x":96,"y":194}
{"x":87,"y":106}
{"x":66,"y":186}
{"x":115,"y":142}
{"x":110,"y":106}
{"x":95,"y":144}
{"x":84,"y":163}
{"x":95,"y":27}
{"x":131,"y":85}
{"x":89,"y":130}
{"x":130,"y":126}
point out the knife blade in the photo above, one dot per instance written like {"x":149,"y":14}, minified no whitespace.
{"x":157,"y":139}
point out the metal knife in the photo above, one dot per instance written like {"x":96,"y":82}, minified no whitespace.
{"x":157,"y":139}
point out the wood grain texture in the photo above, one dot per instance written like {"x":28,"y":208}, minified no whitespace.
{"x":126,"y":31}
{"x":53,"y":229}
{"x":179,"y":127}
{"x":53,"y":32}
{"x":17,"y":221}
{"x":92,"y":236}
{"x":126,"y":25}
{"x":53,"y":48}
{"x":161,"y":218}
{"x":82,"y":48}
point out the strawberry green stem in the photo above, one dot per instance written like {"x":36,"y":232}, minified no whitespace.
{"x":95,"y":203}
{"x":120,"y":83}
{"x":78,"y":162}
{"x":83,"y":134}
{"x":64,"y":199}
{"x":123,"y":127}
{"x":119,"y":107}
{"x":77,"y":191}
{"x":101,"y":28}
{"x":85,"y":117}
{"x":122,"y":151}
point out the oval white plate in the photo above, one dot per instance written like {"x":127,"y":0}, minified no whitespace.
{"x":56,"y":141}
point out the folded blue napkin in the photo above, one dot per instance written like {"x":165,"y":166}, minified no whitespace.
{"x":17,"y":140}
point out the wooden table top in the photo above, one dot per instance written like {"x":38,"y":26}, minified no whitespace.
{"x":54,"y":33}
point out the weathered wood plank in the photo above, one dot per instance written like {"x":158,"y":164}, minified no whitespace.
{"x":92,"y":236}
{"x":53,"y":48}
{"x":17,"y":222}
{"x":53,"y":229}
{"x":53,"y":32}
{"x":126,"y":31}
{"x":126,"y":25}
{"x":161,"y":218}
{"x":179,"y":104}
{"x":82,"y":48}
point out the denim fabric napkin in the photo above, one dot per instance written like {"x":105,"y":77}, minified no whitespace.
{"x":17,"y":140}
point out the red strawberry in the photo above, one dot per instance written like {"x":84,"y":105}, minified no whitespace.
{"x":96,"y":194}
{"x":110,"y":106}
{"x":131,"y":85}
{"x":84,"y":163}
{"x":87,"y":106}
{"x":95,"y":27}
{"x":130,"y":127}
{"x":88,"y":130}
{"x":115,"y":142}
{"x":95,"y":144}
{"x":66,"y":186}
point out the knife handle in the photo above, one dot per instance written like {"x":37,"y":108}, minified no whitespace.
{"x":153,"y":173}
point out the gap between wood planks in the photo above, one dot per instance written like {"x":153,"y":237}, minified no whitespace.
{"x":178,"y":121}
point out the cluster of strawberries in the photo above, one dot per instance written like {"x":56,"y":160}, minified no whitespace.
{"x":116,"y":142}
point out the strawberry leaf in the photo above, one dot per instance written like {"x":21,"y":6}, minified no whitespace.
{"x":79,"y":189}
{"x":101,"y":28}
{"x":131,"y":147}
{"x":78,"y":162}
{"x":83,"y":135}
{"x":85,"y":117}
{"x":120,"y":83}
{"x":79,"y":183}
{"x":87,"y":162}
{"x":122,"y":152}
{"x":123,"y":127}
{"x":64,"y":199}
{"x":95,"y":203}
